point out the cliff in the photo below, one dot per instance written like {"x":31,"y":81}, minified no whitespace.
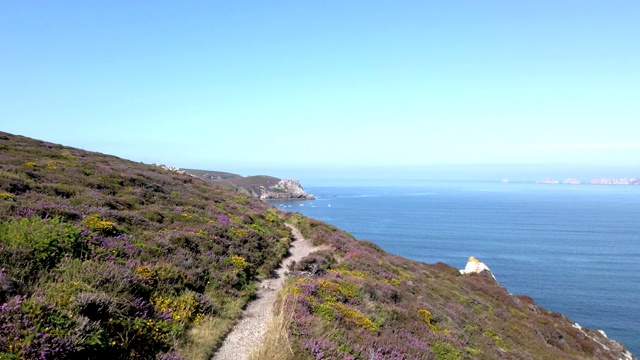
{"x":388,"y":307}
{"x":261,"y":186}
{"x":104,"y":258}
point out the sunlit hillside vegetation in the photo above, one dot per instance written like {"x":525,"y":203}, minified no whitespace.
{"x":356,"y":301}
{"x":104,"y":258}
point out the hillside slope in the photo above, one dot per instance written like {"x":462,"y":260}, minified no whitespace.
{"x":104,"y":258}
{"x":355,"y":301}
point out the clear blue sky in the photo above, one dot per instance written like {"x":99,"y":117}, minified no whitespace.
{"x":292,"y":86}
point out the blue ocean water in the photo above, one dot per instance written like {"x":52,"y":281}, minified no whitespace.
{"x":574,"y":249}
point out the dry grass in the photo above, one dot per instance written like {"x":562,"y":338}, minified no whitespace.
{"x":275,"y":344}
{"x":205,"y":337}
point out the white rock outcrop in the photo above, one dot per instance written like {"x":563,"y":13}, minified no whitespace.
{"x":285,"y":189}
{"x":174,"y":169}
{"x":474,"y":266}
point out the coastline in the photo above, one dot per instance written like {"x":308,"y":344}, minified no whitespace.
{"x":448,"y":222}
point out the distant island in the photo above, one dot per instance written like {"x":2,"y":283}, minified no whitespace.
{"x":596,"y":181}
{"x":615,"y":181}
{"x":547,"y":181}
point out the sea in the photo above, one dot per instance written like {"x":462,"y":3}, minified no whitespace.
{"x":575,"y":249}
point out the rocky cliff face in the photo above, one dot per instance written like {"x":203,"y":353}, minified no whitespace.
{"x":285,"y":189}
{"x":605,"y":348}
{"x":260,"y":186}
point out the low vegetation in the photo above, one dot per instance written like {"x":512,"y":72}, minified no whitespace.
{"x":103,"y":258}
{"x":106,"y":258}
{"x":356,"y":301}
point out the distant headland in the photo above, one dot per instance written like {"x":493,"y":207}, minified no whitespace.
{"x":596,"y":181}
{"x":260,"y":186}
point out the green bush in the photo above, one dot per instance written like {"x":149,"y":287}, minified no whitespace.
{"x":33,"y":244}
{"x":445,"y":351}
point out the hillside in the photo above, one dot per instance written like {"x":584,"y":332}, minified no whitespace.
{"x":259,"y":186}
{"x":356,"y":301}
{"x":105,"y":258}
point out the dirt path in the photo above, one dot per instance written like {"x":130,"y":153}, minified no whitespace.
{"x":247,"y":333}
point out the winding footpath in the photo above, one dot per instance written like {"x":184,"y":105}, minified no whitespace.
{"x":247,"y":333}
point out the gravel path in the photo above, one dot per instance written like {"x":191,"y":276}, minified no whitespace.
{"x":247,"y":333}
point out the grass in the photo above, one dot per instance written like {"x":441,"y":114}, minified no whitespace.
{"x":276,"y":345}
{"x":203,"y":338}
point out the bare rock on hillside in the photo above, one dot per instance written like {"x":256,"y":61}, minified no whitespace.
{"x":474,"y":266}
{"x":285,"y":189}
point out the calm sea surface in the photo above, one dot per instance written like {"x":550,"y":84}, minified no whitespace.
{"x":575,"y":249}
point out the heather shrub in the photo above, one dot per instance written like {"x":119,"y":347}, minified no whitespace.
{"x":122,"y":260}
{"x":96,"y":306}
{"x":102,"y":258}
{"x":354,"y":301}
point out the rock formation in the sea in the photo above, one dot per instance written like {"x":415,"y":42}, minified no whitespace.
{"x":571,"y":181}
{"x":615,"y":181}
{"x":474,"y":266}
{"x":547,"y":180}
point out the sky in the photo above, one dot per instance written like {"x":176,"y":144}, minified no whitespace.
{"x":326,"y":89}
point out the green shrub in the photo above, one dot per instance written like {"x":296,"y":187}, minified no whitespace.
{"x":445,"y":351}
{"x":33,"y":244}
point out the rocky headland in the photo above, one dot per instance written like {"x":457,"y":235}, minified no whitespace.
{"x":259,"y":186}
